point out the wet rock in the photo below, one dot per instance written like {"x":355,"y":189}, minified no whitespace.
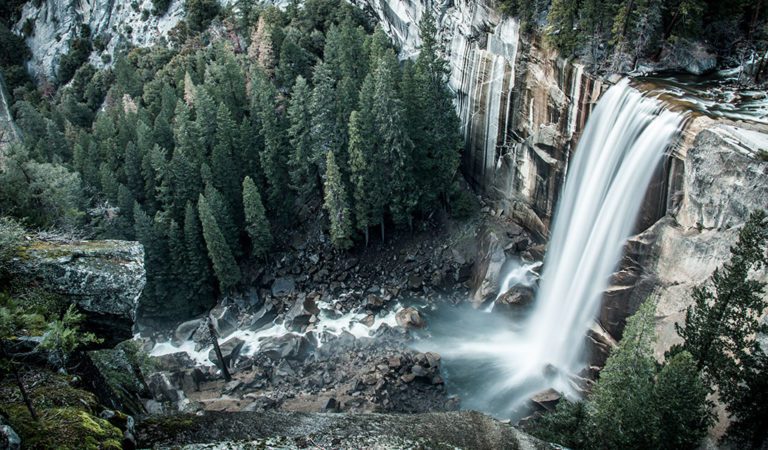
{"x":263,"y":318}
{"x":224,"y":320}
{"x":485,"y":276}
{"x":9,"y":440}
{"x":301,"y":313}
{"x":546,"y":400}
{"x":185,"y":330}
{"x":283,"y":286}
{"x":173,"y":361}
{"x":230,"y":350}
{"x":415,"y":282}
{"x":516,"y":298}
{"x":409,"y":318}
{"x":332,"y":405}
{"x":232,"y":386}
{"x":369,"y":320}
{"x":374,"y":303}
{"x":289,"y":346}
{"x":162,"y":389}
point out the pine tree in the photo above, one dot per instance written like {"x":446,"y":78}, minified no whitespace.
{"x":337,"y":205}
{"x":224,"y":265}
{"x":274,"y":156}
{"x":199,"y":276}
{"x":389,"y":116}
{"x":220,"y":208}
{"x":562,"y":30}
{"x":429,"y":106}
{"x":257,"y":225}
{"x":322,"y":109}
{"x":225,"y":175}
{"x":366,"y":182}
{"x":226,"y":81}
{"x":721,"y":328}
{"x":623,"y":414}
{"x":294,"y":59}
{"x":203,"y":131}
{"x":303,"y":171}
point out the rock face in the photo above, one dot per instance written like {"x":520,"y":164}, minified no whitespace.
{"x":521,"y":107}
{"x":464,"y":430}
{"x":113,"y":22}
{"x":718,"y":180}
{"x":9,"y":133}
{"x":104,"y":279}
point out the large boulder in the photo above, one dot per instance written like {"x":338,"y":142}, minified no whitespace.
{"x":185,"y":330}
{"x":104,"y":279}
{"x":301,"y":313}
{"x":485,"y":275}
{"x":409,"y":318}
{"x":9,"y":440}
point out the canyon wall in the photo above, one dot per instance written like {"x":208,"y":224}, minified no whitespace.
{"x":521,"y":106}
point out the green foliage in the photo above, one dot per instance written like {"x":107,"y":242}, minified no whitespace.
{"x":200,"y":13}
{"x":256,"y":223}
{"x":337,"y":205}
{"x":301,"y":163}
{"x":62,"y":336}
{"x":160,"y":7}
{"x":224,"y":264}
{"x":721,"y":329}
{"x":634,"y":404}
{"x":79,"y":50}
{"x":11,"y":234}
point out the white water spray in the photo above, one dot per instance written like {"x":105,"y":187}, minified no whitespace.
{"x":623,"y":143}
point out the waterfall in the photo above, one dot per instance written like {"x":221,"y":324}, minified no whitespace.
{"x":499,"y":369}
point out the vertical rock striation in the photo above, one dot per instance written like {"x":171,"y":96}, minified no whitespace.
{"x":521,"y":106}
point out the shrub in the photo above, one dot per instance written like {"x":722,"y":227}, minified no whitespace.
{"x":160,"y":7}
{"x":200,"y":13}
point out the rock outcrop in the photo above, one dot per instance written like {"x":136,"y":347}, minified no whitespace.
{"x":104,"y":279}
{"x":463,"y":430}
{"x":54,"y":23}
{"x":9,"y":132}
{"x":718,"y":178}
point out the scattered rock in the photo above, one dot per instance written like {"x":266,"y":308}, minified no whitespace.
{"x":301,"y":313}
{"x":415,"y":282}
{"x":546,"y":400}
{"x":224,"y":320}
{"x":162,"y":389}
{"x":185,"y":331}
{"x":283,"y":286}
{"x":409,"y":318}
{"x":9,"y":440}
{"x":230,"y":350}
{"x":289,"y":346}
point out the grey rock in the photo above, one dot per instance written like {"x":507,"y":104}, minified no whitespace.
{"x":230,"y":350}
{"x":224,"y":320}
{"x":162,"y":389}
{"x":185,"y":330}
{"x":409,"y":318}
{"x":301,"y":313}
{"x":9,"y":440}
{"x":288,"y":346}
{"x":283,"y":286}
{"x":104,"y":279}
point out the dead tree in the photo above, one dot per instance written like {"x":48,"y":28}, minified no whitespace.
{"x":217,"y":349}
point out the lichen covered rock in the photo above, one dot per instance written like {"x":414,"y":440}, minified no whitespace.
{"x":104,"y":279}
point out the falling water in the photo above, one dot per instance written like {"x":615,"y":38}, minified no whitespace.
{"x":497,"y":370}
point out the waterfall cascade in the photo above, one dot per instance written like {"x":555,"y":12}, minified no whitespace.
{"x":623,"y":143}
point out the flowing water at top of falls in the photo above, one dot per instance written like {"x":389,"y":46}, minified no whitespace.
{"x":498,"y":367}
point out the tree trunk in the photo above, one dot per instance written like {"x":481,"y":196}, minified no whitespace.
{"x":215,"y":342}
{"x":382,"y":230}
{"x":366,"y":237}
{"x":24,"y":394}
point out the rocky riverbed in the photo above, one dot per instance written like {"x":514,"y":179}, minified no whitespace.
{"x":318,"y":332}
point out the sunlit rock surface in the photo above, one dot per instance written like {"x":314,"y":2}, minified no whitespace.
{"x":460,"y":430}
{"x":113,"y":22}
{"x":103,"y":278}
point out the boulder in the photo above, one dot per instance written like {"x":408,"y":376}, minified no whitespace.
{"x":230,"y":350}
{"x":224,"y":320}
{"x":546,"y":400}
{"x":485,"y":275}
{"x":288,"y":346}
{"x":185,"y":330}
{"x":409,"y":318}
{"x":104,"y":279}
{"x":173,"y":361}
{"x":301,"y":312}
{"x":283,"y":286}
{"x":515,"y":299}
{"x":9,"y":440}
{"x":162,"y":389}
{"x":263,"y":318}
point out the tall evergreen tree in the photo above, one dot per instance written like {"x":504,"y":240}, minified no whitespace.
{"x":337,"y":205}
{"x":257,"y":225}
{"x":199,"y":276}
{"x":721,"y":329}
{"x":303,"y":171}
{"x":322,"y":109}
{"x":224,"y":265}
{"x":226,"y":176}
